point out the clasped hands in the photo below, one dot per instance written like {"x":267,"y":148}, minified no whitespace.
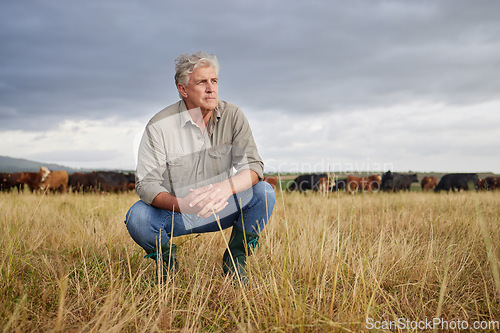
{"x":206,"y":200}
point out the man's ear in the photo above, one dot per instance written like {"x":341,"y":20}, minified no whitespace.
{"x":182,"y":90}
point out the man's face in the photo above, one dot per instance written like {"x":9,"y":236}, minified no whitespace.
{"x":202,"y":89}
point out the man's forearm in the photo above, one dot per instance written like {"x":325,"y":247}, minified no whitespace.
{"x":238,"y":183}
{"x":243,"y":181}
{"x":166,"y":201}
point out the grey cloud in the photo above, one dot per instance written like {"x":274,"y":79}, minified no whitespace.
{"x":93,"y":60}
{"x":67,"y":60}
{"x":373,"y":56}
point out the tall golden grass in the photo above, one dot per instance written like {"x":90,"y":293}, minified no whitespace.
{"x":324,"y":264}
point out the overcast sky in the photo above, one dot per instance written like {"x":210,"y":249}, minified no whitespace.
{"x":326,"y":85}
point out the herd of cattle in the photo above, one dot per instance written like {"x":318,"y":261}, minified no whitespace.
{"x":391,"y":182}
{"x":109,"y":181}
{"x":61,"y":181}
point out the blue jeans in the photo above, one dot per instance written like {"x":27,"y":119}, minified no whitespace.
{"x":152,"y":227}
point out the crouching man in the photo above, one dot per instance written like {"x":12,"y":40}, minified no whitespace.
{"x":185,"y":173}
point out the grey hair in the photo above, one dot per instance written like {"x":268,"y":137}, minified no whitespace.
{"x":186,"y":64}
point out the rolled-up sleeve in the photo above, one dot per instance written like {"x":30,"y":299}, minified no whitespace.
{"x":151,"y":165}
{"x":245,"y":153}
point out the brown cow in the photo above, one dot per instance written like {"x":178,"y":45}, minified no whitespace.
{"x":325,"y":185}
{"x":273,"y":181}
{"x":55,"y":181}
{"x":428,"y":183}
{"x":491,"y":183}
{"x":365,"y":184}
{"x":32,"y":179}
{"x":481,"y":184}
{"x":45,"y":179}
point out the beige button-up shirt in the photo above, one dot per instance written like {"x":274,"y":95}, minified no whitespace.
{"x":176,"y":156}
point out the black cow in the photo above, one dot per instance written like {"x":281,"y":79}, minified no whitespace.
{"x":393,"y":181}
{"x":99,"y":181}
{"x":10,"y":180}
{"x":457,"y":181}
{"x":306,"y":182}
{"x":340,"y":185}
{"x":83,"y":182}
{"x":109,"y":181}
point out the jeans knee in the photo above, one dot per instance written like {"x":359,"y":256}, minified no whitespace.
{"x":135,"y":219}
{"x":266,"y":192}
{"x":132,"y":213}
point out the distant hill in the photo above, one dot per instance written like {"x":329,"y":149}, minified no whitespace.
{"x":9,"y":164}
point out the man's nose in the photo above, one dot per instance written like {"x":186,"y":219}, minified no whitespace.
{"x":210,"y":86}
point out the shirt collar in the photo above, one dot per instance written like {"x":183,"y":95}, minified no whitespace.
{"x":185,"y":117}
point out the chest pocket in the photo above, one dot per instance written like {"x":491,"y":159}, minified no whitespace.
{"x":177,"y":168}
{"x":221,"y":158}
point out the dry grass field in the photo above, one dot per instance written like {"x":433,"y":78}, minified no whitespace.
{"x":325,"y":264}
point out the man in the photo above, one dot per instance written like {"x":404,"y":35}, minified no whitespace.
{"x":185,"y":176}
